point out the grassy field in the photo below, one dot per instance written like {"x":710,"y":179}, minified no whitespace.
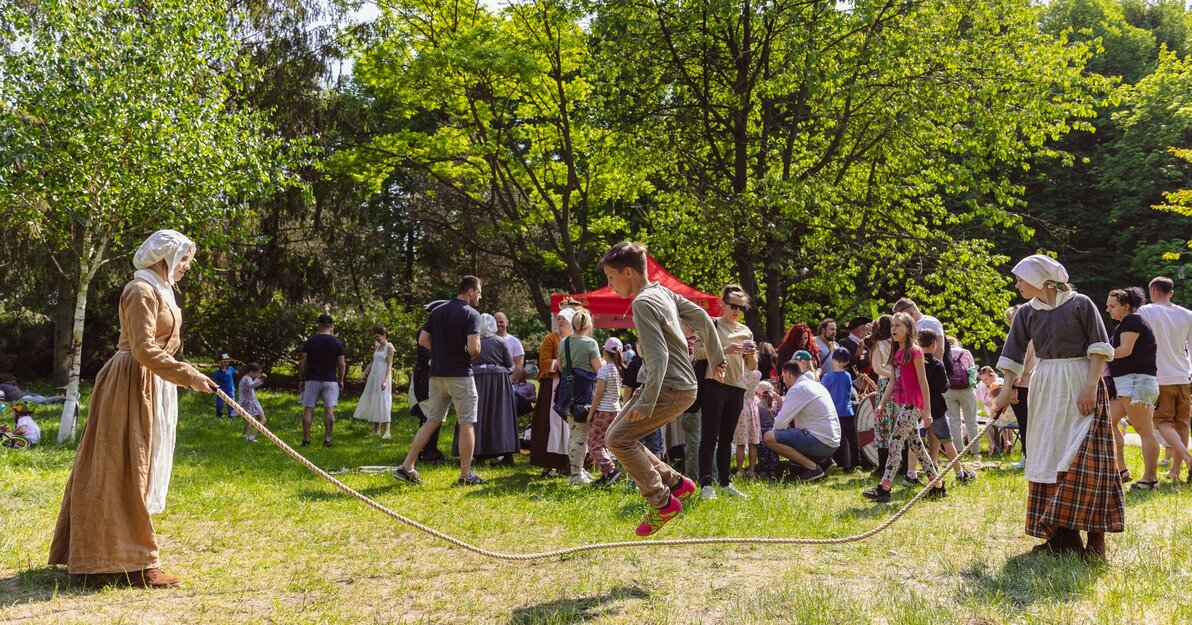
{"x":258,"y":539}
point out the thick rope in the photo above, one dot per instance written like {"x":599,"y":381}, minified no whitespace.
{"x":501,"y":555}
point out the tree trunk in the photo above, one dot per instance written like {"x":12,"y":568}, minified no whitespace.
{"x":66,"y":425}
{"x":63,"y":321}
{"x":91,"y":257}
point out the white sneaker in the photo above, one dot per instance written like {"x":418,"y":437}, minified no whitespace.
{"x":732,"y":491}
{"x":707,"y":493}
{"x":1021,"y":464}
{"x":580,"y":479}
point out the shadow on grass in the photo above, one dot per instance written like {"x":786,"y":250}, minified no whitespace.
{"x":1029,"y":578}
{"x":577,"y":610}
{"x":40,"y":584}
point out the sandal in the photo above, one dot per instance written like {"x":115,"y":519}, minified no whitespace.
{"x":1124,"y":474}
{"x":1145,"y":485}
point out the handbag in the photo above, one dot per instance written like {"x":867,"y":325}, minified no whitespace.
{"x":568,"y":403}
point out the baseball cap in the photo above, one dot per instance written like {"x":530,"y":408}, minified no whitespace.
{"x":224,"y":357}
{"x":613,"y":344}
{"x":842,"y":353}
{"x":802,"y":355}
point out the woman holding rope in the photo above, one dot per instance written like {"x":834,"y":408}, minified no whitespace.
{"x":122,"y":468}
{"x":1073,"y":482}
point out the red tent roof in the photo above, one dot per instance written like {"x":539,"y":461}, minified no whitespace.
{"x":609,"y":310}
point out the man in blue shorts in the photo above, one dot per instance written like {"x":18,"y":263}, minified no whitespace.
{"x":806,"y":429}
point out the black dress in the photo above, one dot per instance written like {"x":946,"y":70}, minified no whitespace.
{"x":496,"y":408}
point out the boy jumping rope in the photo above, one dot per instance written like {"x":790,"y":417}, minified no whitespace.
{"x":669,"y":384}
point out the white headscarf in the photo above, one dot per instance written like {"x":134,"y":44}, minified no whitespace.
{"x":566,"y":314}
{"x":167,"y":245}
{"x":1040,"y":270}
{"x":488,"y":325}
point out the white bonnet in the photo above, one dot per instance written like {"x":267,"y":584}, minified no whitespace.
{"x":488,"y":325}
{"x":167,"y":245}
{"x":566,"y":314}
{"x":1038,"y":270}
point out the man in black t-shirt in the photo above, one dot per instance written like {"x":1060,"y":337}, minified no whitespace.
{"x":452,"y":334}
{"x":321,"y":376}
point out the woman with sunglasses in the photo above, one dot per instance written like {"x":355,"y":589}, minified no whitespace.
{"x":721,"y":401}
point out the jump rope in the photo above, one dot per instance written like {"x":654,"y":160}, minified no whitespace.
{"x":636,"y":544}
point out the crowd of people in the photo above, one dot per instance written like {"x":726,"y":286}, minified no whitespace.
{"x":670,"y":413}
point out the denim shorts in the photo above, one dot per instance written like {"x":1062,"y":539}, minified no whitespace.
{"x":805,"y":443}
{"x":1140,"y":388}
{"x":939,"y":427}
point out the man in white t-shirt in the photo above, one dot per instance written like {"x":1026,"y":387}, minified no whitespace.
{"x":516,"y":351}
{"x":1172,"y":326}
{"x":806,"y":428}
{"x":922,"y":322}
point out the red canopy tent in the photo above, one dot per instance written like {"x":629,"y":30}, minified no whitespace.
{"x":609,"y":310}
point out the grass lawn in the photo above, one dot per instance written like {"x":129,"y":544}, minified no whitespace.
{"x":258,"y":539}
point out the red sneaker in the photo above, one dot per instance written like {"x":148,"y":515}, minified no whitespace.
{"x":685,"y":489}
{"x":657,"y":517}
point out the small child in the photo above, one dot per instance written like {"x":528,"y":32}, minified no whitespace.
{"x":247,"y":397}
{"x":225,"y":378}
{"x":940,"y":432}
{"x":25,"y":426}
{"x":769,"y":403}
{"x":606,"y":403}
{"x":749,"y":427}
{"x":839,"y":383}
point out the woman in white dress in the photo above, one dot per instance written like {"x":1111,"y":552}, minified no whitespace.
{"x":376,"y":402}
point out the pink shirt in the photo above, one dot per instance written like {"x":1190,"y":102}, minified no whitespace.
{"x":906,"y":385}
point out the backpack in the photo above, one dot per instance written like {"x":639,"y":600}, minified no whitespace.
{"x":958,"y":375}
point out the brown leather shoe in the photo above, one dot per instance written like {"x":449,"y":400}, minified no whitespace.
{"x":152,"y":578}
{"x":1095,"y":550}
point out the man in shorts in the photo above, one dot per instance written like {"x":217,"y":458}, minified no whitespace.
{"x":321,"y":371}
{"x":452,"y":334}
{"x":1172,"y":326}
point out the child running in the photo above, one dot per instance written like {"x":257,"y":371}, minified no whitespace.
{"x":668,"y":380}
{"x":247,"y":398}
{"x":911,"y":402}
{"x":606,"y":405}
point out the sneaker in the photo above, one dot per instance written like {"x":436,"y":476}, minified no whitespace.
{"x":912,"y":480}
{"x":657,"y":517}
{"x":470,"y":480}
{"x":803,"y":474}
{"x":549,"y":473}
{"x":409,"y":476}
{"x":878,"y":494}
{"x":579,"y":479}
{"x":1021,"y":464}
{"x":607,"y":480}
{"x":732,"y":491}
{"x":707,"y":493}
{"x":386,"y":436}
{"x":937,"y":493}
{"x":251,"y":439}
{"x":684,"y":490}
{"x":828,"y":466}
{"x":965,"y":476}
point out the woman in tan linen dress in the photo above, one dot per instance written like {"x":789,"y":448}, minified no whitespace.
{"x":104,"y":532}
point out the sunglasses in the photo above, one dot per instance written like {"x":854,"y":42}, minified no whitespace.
{"x":737,"y":307}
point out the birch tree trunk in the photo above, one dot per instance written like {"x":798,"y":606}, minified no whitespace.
{"x":89,"y":262}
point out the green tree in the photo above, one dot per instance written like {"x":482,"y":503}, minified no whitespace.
{"x":838,"y":154}
{"x":120,"y":117}
{"x":494,"y":134}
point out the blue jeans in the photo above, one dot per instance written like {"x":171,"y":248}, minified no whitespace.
{"x":805,"y":443}
{"x":42,"y":399}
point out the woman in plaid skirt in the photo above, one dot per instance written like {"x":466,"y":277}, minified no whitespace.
{"x":1071,"y":474}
